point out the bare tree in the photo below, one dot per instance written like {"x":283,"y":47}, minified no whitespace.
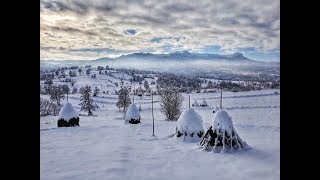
{"x":170,"y":102}
{"x":87,"y":103}
{"x":123,"y":98}
{"x":56,"y":94}
{"x":210,"y":84}
{"x":146,"y":85}
{"x":46,"y":89}
{"x":65,"y":89}
{"x":48,"y":107}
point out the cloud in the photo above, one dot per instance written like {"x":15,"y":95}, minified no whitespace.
{"x":163,"y":26}
{"x":97,"y":50}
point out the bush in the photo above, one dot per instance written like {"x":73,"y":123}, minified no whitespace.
{"x":48,"y":108}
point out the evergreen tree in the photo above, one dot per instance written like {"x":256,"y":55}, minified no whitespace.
{"x":88,"y":71}
{"x":100,"y":68}
{"x":87,"y":103}
{"x":48,"y":81}
{"x":72,"y":73}
{"x":74,"y":90}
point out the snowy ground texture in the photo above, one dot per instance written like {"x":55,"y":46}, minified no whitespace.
{"x":103,"y":147}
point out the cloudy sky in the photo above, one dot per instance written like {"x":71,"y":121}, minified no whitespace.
{"x":91,"y":29}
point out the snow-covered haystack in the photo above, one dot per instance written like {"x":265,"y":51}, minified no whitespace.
{"x":68,"y":116}
{"x":133,"y":115}
{"x":221,"y":136}
{"x":189,"y":126}
{"x":203,"y":103}
{"x":195,"y":104}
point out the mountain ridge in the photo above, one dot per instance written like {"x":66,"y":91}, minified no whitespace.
{"x":180,"y":55}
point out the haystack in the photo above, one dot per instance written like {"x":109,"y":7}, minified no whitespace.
{"x":203,"y":103}
{"x":68,"y":116}
{"x":195,"y":104}
{"x":189,"y":127}
{"x":221,"y":136}
{"x":133,"y":115}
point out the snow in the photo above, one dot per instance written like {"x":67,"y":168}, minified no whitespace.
{"x":68,"y":112}
{"x":222,"y":120}
{"x":104,"y":148}
{"x":190,"y":122}
{"x":132,"y":113}
{"x":195,"y":103}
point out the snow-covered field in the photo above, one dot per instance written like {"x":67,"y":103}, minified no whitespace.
{"x":103,"y":147}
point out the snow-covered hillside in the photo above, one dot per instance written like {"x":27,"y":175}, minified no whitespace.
{"x":103,"y":147}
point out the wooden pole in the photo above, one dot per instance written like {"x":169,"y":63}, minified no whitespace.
{"x":221,"y":96}
{"x":133,"y":93}
{"x":152,"y":113}
{"x":189,"y":101}
{"x":67,"y":96}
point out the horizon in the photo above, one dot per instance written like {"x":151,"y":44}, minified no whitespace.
{"x":89,"y":30}
{"x":154,"y":54}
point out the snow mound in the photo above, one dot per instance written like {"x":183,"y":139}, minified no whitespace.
{"x":221,"y":120}
{"x":195,"y":103}
{"x":190,"y":126}
{"x":68,"y":112}
{"x":132,"y":113}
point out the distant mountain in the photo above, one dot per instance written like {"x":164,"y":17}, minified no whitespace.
{"x":180,"y":55}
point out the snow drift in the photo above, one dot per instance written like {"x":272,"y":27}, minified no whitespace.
{"x":221,"y":136}
{"x":68,"y":116}
{"x":132,"y":115}
{"x":189,"y":126}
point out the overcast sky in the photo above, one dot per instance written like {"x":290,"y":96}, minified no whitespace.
{"x":91,"y":29}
